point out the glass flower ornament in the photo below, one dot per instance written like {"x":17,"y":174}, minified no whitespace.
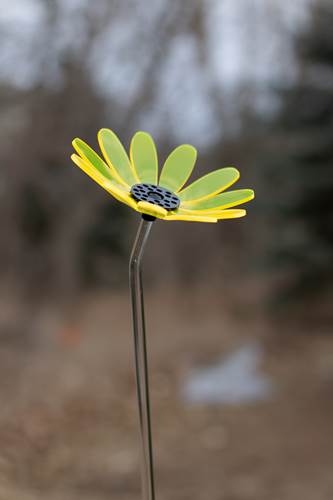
{"x":134,"y":180}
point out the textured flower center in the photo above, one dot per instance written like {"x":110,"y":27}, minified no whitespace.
{"x":156,"y":195}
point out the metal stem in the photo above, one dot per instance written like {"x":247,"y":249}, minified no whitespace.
{"x":141,"y":364}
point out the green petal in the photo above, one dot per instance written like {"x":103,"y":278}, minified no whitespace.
{"x":209,"y":185}
{"x":116,"y":156}
{"x":144,"y":157}
{"x":222,"y":201}
{"x":85,"y":151}
{"x":178,"y":167}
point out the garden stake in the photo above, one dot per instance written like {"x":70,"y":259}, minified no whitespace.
{"x":140,"y":351}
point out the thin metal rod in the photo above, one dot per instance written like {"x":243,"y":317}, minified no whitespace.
{"x":141,"y":364}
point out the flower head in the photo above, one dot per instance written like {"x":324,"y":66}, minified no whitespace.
{"x":134,"y":180}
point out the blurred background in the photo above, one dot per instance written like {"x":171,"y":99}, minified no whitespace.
{"x":239,"y":314}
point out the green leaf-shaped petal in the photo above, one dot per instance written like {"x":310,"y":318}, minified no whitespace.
{"x":116,"y":156}
{"x":222,"y":201}
{"x":144,"y":157}
{"x":178,"y":167}
{"x":209,"y":185}
{"x":89,"y":154}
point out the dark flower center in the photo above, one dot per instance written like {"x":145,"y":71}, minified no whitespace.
{"x":155,"y":194}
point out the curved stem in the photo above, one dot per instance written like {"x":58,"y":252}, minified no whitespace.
{"x":141,"y":364}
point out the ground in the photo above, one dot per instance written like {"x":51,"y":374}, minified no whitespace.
{"x":68,"y":424}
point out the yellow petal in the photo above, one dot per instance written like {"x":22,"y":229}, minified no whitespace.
{"x":150,"y":209}
{"x":211,"y":212}
{"x":120,"y":195}
{"x":190,"y":218}
{"x":88,"y":154}
{"x":89,"y":169}
{"x":227,"y":214}
{"x":117,"y":190}
{"x":205,"y":215}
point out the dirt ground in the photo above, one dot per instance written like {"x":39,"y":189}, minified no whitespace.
{"x":68,"y":420}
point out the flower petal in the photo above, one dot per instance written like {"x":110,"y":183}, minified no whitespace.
{"x":228,"y":214}
{"x":117,"y":190}
{"x":89,"y":154}
{"x":221,"y":201}
{"x":215,"y":214}
{"x":116,"y":156}
{"x":191,"y":218}
{"x":178,"y":167}
{"x":144,"y":157}
{"x":209,"y":185}
{"x":149,"y":208}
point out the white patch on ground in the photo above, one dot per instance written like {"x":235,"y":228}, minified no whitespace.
{"x":233,"y":380}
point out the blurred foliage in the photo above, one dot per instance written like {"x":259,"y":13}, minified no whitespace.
{"x":103,"y":245}
{"x":299,"y":171}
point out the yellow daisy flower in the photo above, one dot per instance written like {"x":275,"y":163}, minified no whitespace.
{"x":134,"y":180}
